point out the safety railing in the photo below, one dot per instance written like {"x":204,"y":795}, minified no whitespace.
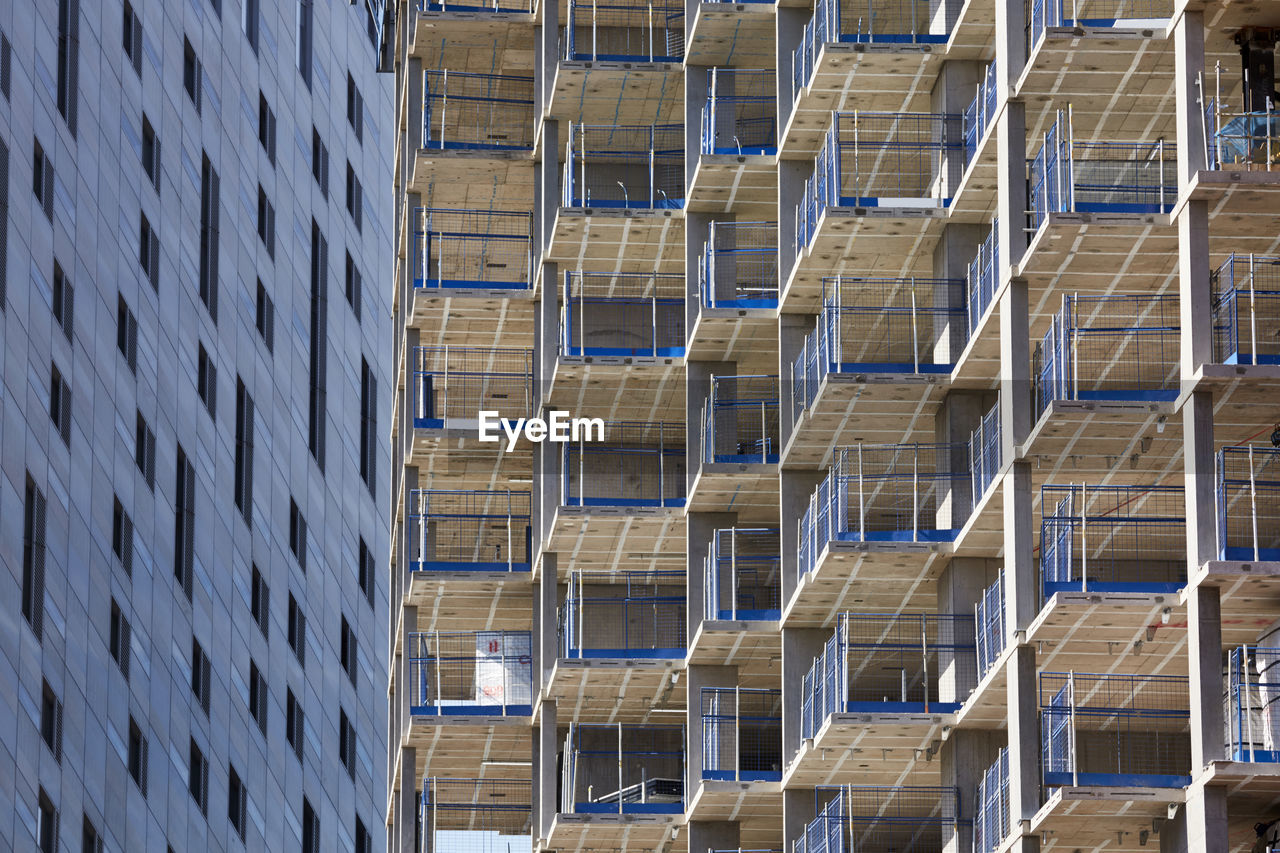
{"x":624,"y":32}
{"x":1246,"y":310}
{"x":622,"y":314}
{"x":1100,"y":177}
{"x":1252,"y":707}
{"x":741,"y":734}
{"x":493,"y":6}
{"x":865,"y":818}
{"x":887,"y":493}
{"x":740,"y":420}
{"x":623,"y":769}
{"x":980,"y":112}
{"x":624,"y":615}
{"x":1248,"y":497}
{"x":635,"y":465}
{"x":892,"y":22}
{"x":629,"y":167}
{"x":1114,"y":730}
{"x":1242,"y":141}
{"x":985,"y":451}
{"x":452,"y":385}
{"x":472,"y":249}
{"x":990,"y":636}
{"x":741,"y":113}
{"x":991,"y":822}
{"x":882,"y":160}
{"x":1122,"y":348}
{"x":890,"y":663}
{"x":1112,"y":539}
{"x":470,"y":673}
{"x":739,"y":266}
{"x":469,"y":531}
{"x":474,"y":815}
{"x":1120,"y":14}
{"x":742,"y":573}
{"x":477,"y":112}
{"x":983,"y":277}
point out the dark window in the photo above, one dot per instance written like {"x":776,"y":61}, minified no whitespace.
{"x":237,"y":802}
{"x":191,"y":73}
{"x":184,"y":523}
{"x":266,"y":222}
{"x":217,"y":7}
{"x":365,"y":570}
{"x":355,"y":197}
{"x":149,"y":252}
{"x":47,"y":831}
{"x":355,"y":286}
{"x":126,"y":333}
{"x":258,"y":697}
{"x":60,"y":404}
{"x":346,"y":743}
{"x":201,"y":683}
{"x":198,"y":781}
{"x":51,"y":721}
{"x":320,"y":162}
{"x":297,"y":630}
{"x":266,"y":317}
{"x":150,"y":152}
{"x":306,"y":26}
{"x":33,"y":551}
{"x":209,"y":237}
{"x":90,"y":840}
{"x":297,"y":534}
{"x":267,"y":128}
{"x":144,"y":452}
{"x":319,"y":342}
{"x":368,"y":425}
{"x":122,"y":536}
{"x":64,"y":299}
{"x":119,"y":640}
{"x":348,"y":650}
{"x":133,"y":38}
{"x":6,"y":65}
{"x":293,"y":723}
{"x":207,"y":380}
{"x":244,"y":452}
{"x":260,"y":602}
{"x":42,"y":180}
{"x":68,"y":60}
{"x":4,"y":224}
{"x":251,"y":23}
{"x":137,"y":756}
{"x":355,"y":108}
{"x":310,"y":820}
{"x":364,"y":841}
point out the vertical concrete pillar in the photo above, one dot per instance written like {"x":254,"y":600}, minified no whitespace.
{"x":957,"y":247}
{"x":699,"y":676}
{"x":697,"y":387}
{"x":549,"y":180}
{"x":1206,"y":812}
{"x":544,"y":771}
{"x":701,"y":527}
{"x":790,"y":32}
{"x":1021,"y":595}
{"x":796,"y":487}
{"x":697,"y":85}
{"x":414,"y":90}
{"x":705,"y":835}
{"x":1194,"y":294}
{"x":1199,"y":477}
{"x":960,"y":588}
{"x":407,"y":802}
{"x":1204,"y":658}
{"x":799,"y":806}
{"x":1015,"y":368}
{"x":793,"y":329}
{"x":546,"y":646}
{"x":799,"y":648}
{"x":697,"y":229}
{"x":546,"y":332}
{"x":965,"y":755}
{"x":956,"y":420}
{"x":791,"y":177}
{"x":1024,"y":738}
{"x":953,"y":90}
{"x":1188,"y":81}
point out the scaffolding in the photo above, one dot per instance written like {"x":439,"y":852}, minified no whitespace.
{"x":872,"y":819}
{"x":624,"y":32}
{"x":629,"y":167}
{"x":472,"y":249}
{"x":983,"y":277}
{"x":990,"y":636}
{"x":477,"y":112}
{"x":739,"y":266}
{"x":742,"y":574}
{"x":992,"y":821}
{"x":1100,"y":177}
{"x":740,"y":420}
{"x":452,"y":385}
{"x":1248,"y":496}
{"x":1122,"y":348}
{"x":1112,"y":539}
{"x":637,"y":465}
{"x":1252,"y":706}
{"x":1115,"y":730}
{"x":741,"y":734}
{"x":468,"y":530}
{"x":980,"y":112}
{"x":622,"y":314}
{"x":475,"y":815}
{"x":623,"y":769}
{"x":891,"y":663}
{"x":470,"y":673}
{"x":624,"y":615}
{"x":741,"y":113}
{"x":1128,"y":14}
{"x":1246,"y":310}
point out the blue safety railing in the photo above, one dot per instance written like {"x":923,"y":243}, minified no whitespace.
{"x":622,"y":314}
{"x":741,"y":734}
{"x":1100,"y":177}
{"x":990,"y":636}
{"x":992,"y":817}
{"x":1242,"y":141}
{"x":890,"y":663}
{"x":472,"y":249}
{"x":739,"y":266}
{"x":740,"y":420}
{"x":891,"y":160}
{"x":629,"y":167}
{"x":624,"y":615}
{"x":1114,"y":730}
{"x":1112,"y":539}
{"x":741,"y":113}
{"x":635,"y":465}
{"x":1120,"y":14}
{"x":980,"y":112}
{"x":623,"y":769}
{"x":470,"y":673}
{"x":469,"y":530}
{"x":983,"y":277}
{"x":615,"y":31}
{"x":1246,"y":310}
{"x":873,"y":819}
{"x":1252,"y":706}
{"x":453,"y":385}
{"x":1122,"y":348}
{"x":986,"y":452}
{"x":475,"y":814}
{"x":492,"y":6}
{"x":742,"y":573}
{"x":477,"y":112}
{"x":1248,"y":495}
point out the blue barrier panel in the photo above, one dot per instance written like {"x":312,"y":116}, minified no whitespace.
{"x":614,"y":31}
{"x":858,"y":818}
{"x":622,"y":314}
{"x":1252,"y":709}
{"x":1248,"y":497}
{"x":742,"y":575}
{"x":740,"y":420}
{"x":452,"y":385}
{"x":741,"y":734}
{"x":624,"y":615}
{"x":636,"y":465}
{"x":477,"y":112}
{"x":469,"y":530}
{"x":739,"y":266}
{"x":630,"y":167}
{"x":1246,"y":310}
{"x":992,"y":819}
{"x":472,"y":249}
{"x":740,"y":115}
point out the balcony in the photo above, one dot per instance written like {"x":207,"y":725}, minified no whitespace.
{"x":503,"y":26}
{"x":874,"y":819}
{"x":625,"y":616}
{"x":976,"y":193}
{"x":1246,"y":310}
{"x":456,"y":252}
{"x":622,"y":316}
{"x":638,"y":465}
{"x":726,"y":33}
{"x":1071,"y":15}
{"x":475,"y":814}
{"x":469,"y":531}
{"x":740,"y":115}
{"x":1242,"y":141}
{"x":624,"y":32}
{"x":452,"y":385}
{"x":737,"y":292}
{"x":1250,"y":708}
{"x":470,"y":674}
{"x":477,"y":112}
{"x":1249,"y":503}
{"x":741,"y":576}
{"x":623,"y":770}
{"x":738,"y":441}
{"x":741,"y":735}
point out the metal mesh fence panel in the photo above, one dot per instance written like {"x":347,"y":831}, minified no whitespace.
{"x":624,"y":32}
{"x":981,"y":110}
{"x":493,"y":6}
{"x":625,"y":166}
{"x":459,"y":382}
{"x":741,"y":733}
{"x":472,"y":249}
{"x":743,"y":579}
{"x":982,"y":277}
{"x":477,"y":111}
{"x":465,"y":671}
{"x":992,"y":822}
{"x":624,"y":314}
{"x":621,"y":768}
{"x":1246,"y":310}
{"x":627,"y":614}
{"x":739,"y":265}
{"x":897,"y":155}
{"x":1249,"y":503}
{"x":740,"y":420}
{"x":470,"y":530}
{"x":638,"y":464}
{"x":990,"y":635}
{"x":1251,"y":715}
{"x":475,"y":815}
{"x":740,"y":115}
{"x":865,"y":819}
{"x":913,"y":325}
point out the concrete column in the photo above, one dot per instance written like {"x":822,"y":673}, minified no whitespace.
{"x":1173,"y":832}
{"x":545,"y":645}
{"x":1204,"y":657}
{"x":697,"y":389}
{"x":546,"y":332}
{"x":701,"y":527}
{"x":1024,"y":736}
{"x":404,"y":675}
{"x":960,"y":588}
{"x":697,"y":85}
{"x":797,"y":487}
{"x":793,"y":329}
{"x":1012,"y":203}
{"x":1194,"y":292}
{"x":549,"y":180}
{"x":414,"y":90}
{"x":699,"y":676}
{"x":799,"y":648}
{"x":791,"y":177}
{"x":1010,"y":37}
{"x":1199,"y":479}
{"x":1015,"y":368}
{"x":965,"y":755}
{"x":790,"y":32}
{"x":407,"y":802}
{"x":953,"y":90}
{"x":697,"y":229}
{"x":547,"y":54}
{"x":1206,"y":811}
{"x":1021,"y":597}
{"x":799,"y":806}
{"x":707,"y":835}
{"x":956,"y":248}
{"x":956,"y":420}
{"x":1188,"y":47}
{"x":545,"y":776}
